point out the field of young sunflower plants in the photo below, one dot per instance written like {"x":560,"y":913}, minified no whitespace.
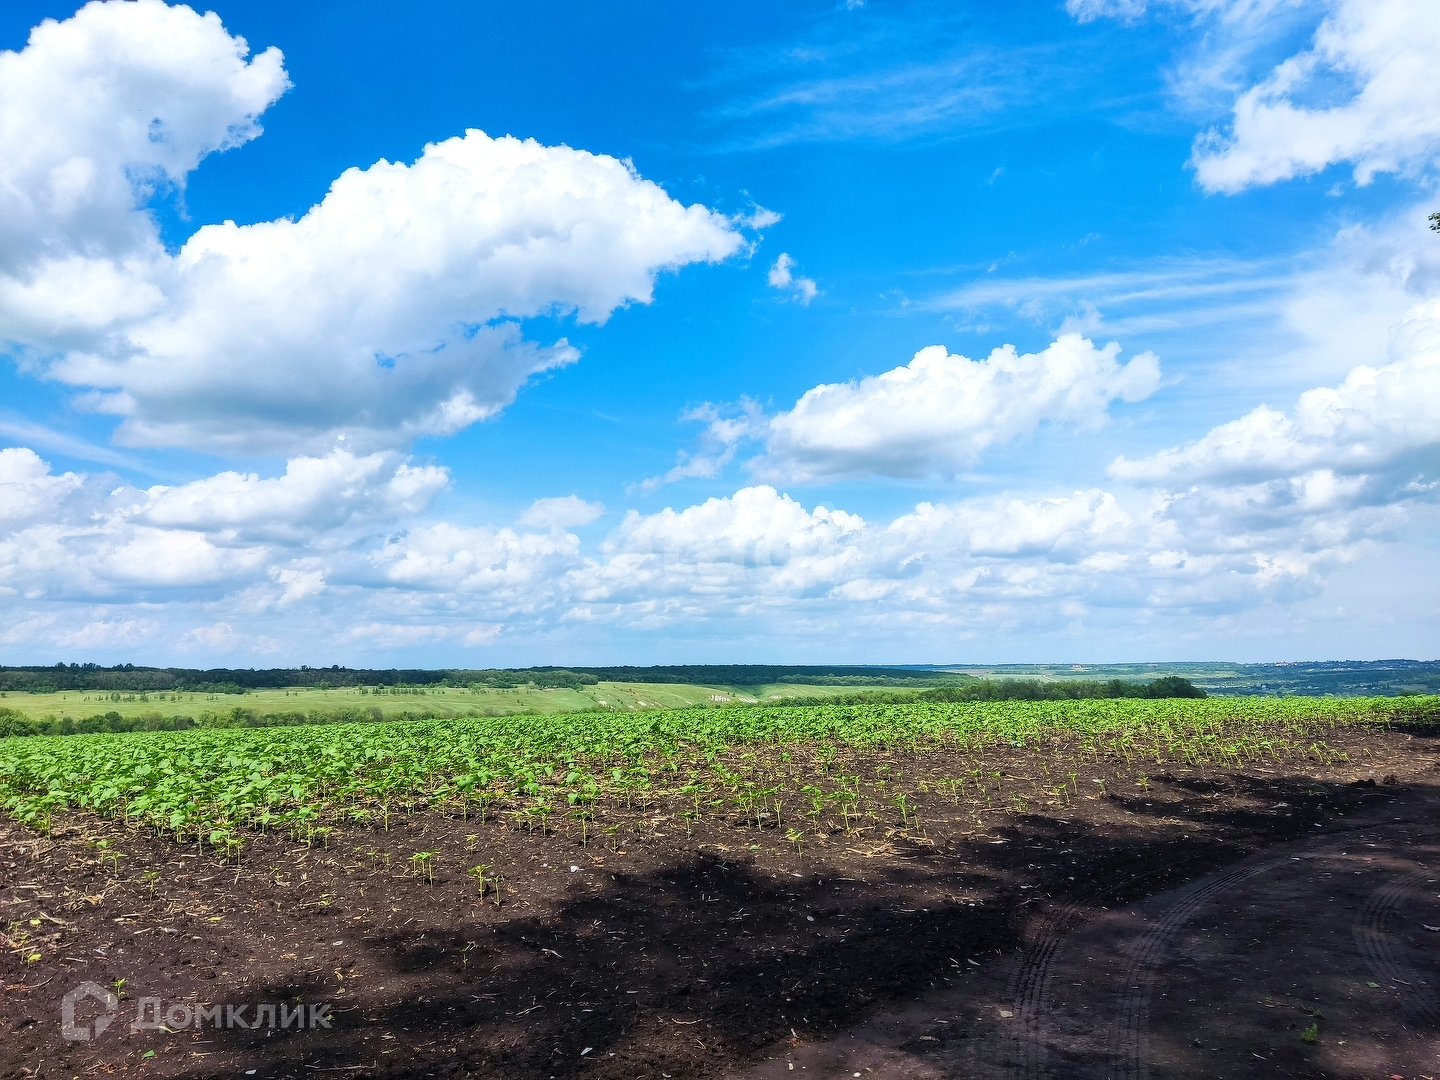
{"x":213,"y":787}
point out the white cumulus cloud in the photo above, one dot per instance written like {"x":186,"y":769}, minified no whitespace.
{"x":758,"y":563}
{"x":69,"y":536}
{"x":101,"y":110}
{"x":781,"y":277}
{"x":218,"y":637}
{"x":386,"y":312}
{"x":314,"y":495}
{"x":29,"y":492}
{"x":508,"y":567}
{"x":1364,"y":92}
{"x":940,"y":412}
{"x":1375,"y":420}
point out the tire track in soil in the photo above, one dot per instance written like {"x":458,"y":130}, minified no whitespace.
{"x":1373,"y":940}
{"x":1129,"y":1038}
{"x":1129,"y":1041}
{"x":1026,"y":1051}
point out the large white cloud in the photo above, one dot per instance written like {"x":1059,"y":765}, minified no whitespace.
{"x":314,"y":496}
{"x":940,"y":412}
{"x":517,"y":571}
{"x":1380,"y":55}
{"x":383,"y":314}
{"x":1362,"y":92}
{"x":100,"y":110}
{"x":29,"y":492}
{"x":1376,"y":420}
{"x":935,"y":416}
{"x":757,"y":535}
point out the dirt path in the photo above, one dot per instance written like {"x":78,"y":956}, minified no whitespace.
{"x":1220,"y":977}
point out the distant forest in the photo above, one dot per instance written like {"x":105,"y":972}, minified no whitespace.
{"x":1342,"y":678}
{"x":129,"y":678}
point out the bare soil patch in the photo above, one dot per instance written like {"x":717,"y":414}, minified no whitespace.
{"x":1126,"y":929}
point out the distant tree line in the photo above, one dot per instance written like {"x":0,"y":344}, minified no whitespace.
{"x":127,"y":677}
{"x":1169,"y":686}
{"x":545,"y":679}
{"x":131,"y":679}
{"x":14,"y":723}
{"x":899,"y":681}
{"x":1004,"y":690}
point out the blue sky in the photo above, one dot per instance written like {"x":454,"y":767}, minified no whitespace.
{"x":637,"y":384}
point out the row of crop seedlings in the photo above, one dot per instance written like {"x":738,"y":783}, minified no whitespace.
{"x":307,"y":781}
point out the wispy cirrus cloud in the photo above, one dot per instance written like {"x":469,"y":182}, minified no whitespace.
{"x":1162,"y":294}
{"x":1262,"y":325}
{"x":18,"y":429}
{"x":882,"y":76}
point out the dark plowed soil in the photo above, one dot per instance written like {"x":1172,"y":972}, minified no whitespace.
{"x":1192,"y":922}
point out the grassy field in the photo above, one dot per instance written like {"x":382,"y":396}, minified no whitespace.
{"x":453,"y":701}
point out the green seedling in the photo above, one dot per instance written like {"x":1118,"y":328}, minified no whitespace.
{"x":689,"y":817}
{"x":816,"y":798}
{"x":848,"y":801}
{"x":584,"y":817}
{"x":904,"y":804}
